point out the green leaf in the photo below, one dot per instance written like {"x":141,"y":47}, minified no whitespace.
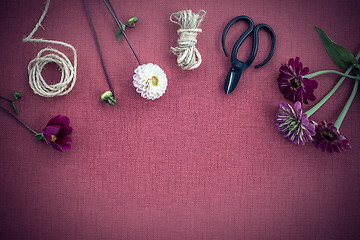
{"x":119,"y":32}
{"x":340,"y":55}
{"x":15,"y":108}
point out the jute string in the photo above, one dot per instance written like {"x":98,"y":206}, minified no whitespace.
{"x":188,"y":57}
{"x":35,"y":67}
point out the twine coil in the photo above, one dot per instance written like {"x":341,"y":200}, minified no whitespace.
{"x":188,"y":57}
{"x":35,"y":67}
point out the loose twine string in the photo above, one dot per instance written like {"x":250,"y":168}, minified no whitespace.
{"x":35,"y":67}
{"x":188,"y":57}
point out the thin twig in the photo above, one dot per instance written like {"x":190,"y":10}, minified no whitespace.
{"x":6,"y":99}
{"x":113,"y":14}
{"x":99,"y":48}
{"x":18,"y":120}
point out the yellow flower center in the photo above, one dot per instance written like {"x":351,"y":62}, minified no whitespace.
{"x":329,"y":135}
{"x":295,"y":83}
{"x":53,"y":138}
{"x":154,"y":81}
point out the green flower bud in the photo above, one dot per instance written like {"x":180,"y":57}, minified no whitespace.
{"x":17,"y":95}
{"x":108,"y":97}
{"x":133,"y":20}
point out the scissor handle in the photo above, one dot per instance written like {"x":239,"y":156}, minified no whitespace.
{"x":256,"y":43}
{"x":241,"y":38}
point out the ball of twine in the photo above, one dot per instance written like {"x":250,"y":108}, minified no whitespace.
{"x":188,"y":57}
{"x":35,"y":67}
{"x":36,"y":80}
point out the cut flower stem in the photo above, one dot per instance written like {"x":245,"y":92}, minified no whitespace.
{"x":347,"y":105}
{"x":322,"y":101}
{"x":99,"y":49}
{"x":6,"y":99}
{"x":330,"y":71}
{"x":17,"y":95}
{"x":36,"y":133}
{"x":114,"y":15}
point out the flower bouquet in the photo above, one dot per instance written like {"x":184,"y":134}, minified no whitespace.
{"x":296,"y":85}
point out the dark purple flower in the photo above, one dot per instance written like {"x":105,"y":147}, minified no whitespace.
{"x":292,"y":83}
{"x":328,"y":138}
{"x":57,"y":131}
{"x":294,"y":124}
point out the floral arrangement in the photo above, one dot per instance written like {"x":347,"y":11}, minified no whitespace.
{"x":149,"y":79}
{"x":296,"y":85}
{"x":294,"y":81}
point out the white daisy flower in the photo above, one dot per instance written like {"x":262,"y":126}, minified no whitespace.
{"x":150,"y":81}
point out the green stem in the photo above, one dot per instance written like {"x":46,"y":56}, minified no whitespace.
{"x":5,"y":99}
{"x":329,"y":71}
{"x":13,"y":102}
{"x":19,"y":120}
{"x":347,"y":105}
{"x":322,"y":101}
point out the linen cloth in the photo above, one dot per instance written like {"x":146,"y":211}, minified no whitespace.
{"x":193,"y":164}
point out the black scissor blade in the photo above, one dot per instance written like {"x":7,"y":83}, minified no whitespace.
{"x":232,"y":80}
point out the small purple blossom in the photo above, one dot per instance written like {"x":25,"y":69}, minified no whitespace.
{"x":292,"y":83}
{"x":294,"y":124}
{"x":57,"y":131}
{"x":328,"y":138}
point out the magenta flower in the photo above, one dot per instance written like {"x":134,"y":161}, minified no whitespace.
{"x":294,"y":124}
{"x":292,"y":83}
{"x":57,"y":131}
{"x":328,"y":139}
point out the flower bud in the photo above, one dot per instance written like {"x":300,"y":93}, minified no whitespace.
{"x":133,"y":20}
{"x":17,"y":95}
{"x":108,"y":97}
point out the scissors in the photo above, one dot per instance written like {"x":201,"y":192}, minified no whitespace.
{"x":238,"y":66}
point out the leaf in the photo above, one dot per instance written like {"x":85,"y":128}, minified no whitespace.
{"x":15,"y":108}
{"x":119,"y":32}
{"x":340,"y":55}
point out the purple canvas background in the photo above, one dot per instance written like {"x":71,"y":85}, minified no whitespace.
{"x":194,"y":164}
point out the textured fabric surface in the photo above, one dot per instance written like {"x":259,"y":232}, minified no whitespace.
{"x":194,"y":164}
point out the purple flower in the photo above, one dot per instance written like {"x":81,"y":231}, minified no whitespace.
{"x":57,"y":131}
{"x":292,"y":83}
{"x":294,"y":124}
{"x":328,"y":139}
